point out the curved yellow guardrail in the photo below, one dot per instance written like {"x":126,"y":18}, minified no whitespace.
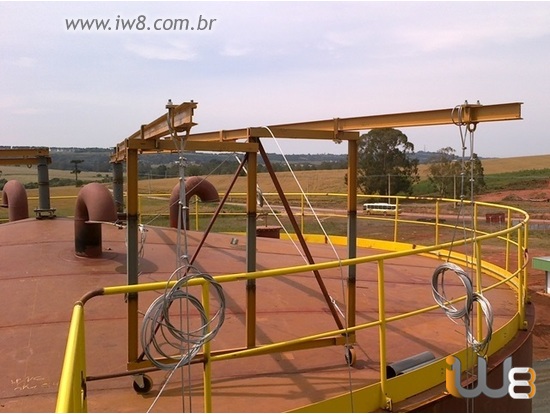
{"x":385,"y":392}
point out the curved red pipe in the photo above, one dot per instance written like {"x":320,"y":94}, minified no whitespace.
{"x":14,"y":197}
{"x":193,"y":186}
{"x":94,"y":205}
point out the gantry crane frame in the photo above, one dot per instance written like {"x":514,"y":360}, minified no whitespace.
{"x":157,"y":137}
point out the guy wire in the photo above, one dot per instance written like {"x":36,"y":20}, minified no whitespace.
{"x":260,"y":193}
{"x":302,"y":192}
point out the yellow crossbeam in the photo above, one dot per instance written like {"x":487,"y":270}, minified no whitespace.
{"x":470,"y":114}
{"x":340,"y":129}
{"x":23,"y":156}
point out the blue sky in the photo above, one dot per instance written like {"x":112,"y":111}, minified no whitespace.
{"x":268,"y":63}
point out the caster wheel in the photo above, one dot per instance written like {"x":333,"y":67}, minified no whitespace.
{"x":351,"y":356}
{"x":142,"y":384}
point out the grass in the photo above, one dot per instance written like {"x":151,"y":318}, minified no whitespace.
{"x":506,"y":165}
{"x":518,"y":180}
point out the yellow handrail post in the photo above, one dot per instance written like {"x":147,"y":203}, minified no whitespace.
{"x":71,"y":396}
{"x":508,"y":224}
{"x":396,"y":220}
{"x":521,"y":275}
{"x":207,"y":375}
{"x":437,"y":222}
{"x":302,"y":213}
{"x":525,"y":258}
{"x":479,"y":288}
{"x":384,"y":400}
{"x":474,"y":218}
{"x":196,"y":213}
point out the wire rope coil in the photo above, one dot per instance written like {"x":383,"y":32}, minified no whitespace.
{"x":160,"y":335}
{"x":438,"y":292}
{"x":481,"y":347}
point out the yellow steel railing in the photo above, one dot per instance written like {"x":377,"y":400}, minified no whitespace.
{"x":384,"y":393}
{"x":72,"y":389}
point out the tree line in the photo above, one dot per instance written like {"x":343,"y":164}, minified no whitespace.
{"x":386,"y":166}
{"x":196,"y":163}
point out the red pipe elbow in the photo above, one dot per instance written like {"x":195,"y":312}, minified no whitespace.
{"x":193,"y":186}
{"x":14,"y":197}
{"x":94,"y":205}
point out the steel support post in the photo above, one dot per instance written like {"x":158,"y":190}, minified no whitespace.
{"x":132,"y":256}
{"x":44,"y":207}
{"x":118,"y":186}
{"x":352,"y":232}
{"x":252,"y":185}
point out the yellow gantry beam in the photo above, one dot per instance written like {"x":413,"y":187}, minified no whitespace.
{"x":24,"y":156}
{"x":180,"y":117}
{"x":167,"y":145}
{"x":469,"y":114}
{"x":334,"y":128}
{"x":149,"y":138}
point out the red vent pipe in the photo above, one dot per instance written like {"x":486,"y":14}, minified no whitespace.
{"x":14,"y":197}
{"x":94,"y":205}
{"x":193,"y":186}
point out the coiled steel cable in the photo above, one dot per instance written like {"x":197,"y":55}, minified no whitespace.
{"x":481,"y":347}
{"x":169,"y":341}
{"x":438,"y":292}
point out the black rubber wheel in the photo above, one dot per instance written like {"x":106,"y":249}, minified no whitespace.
{"x":350,"y":356}
{"x":147,"y":385}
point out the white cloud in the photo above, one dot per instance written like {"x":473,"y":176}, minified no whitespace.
{"x":236,"y":51}
{"x":444,"y":29}
{"x":168,"y":50}
{"x":29,"y":111}
{"x":333,"y":41}
{"x":24,"y":62}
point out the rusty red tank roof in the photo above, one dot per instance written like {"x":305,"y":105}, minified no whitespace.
{"x":41,"y":278}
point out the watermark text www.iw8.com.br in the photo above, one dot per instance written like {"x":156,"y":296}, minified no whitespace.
{"x":141,"y":23}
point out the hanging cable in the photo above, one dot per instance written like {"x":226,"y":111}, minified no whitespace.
{"x":161,"y":337}
{"x":464,"y":313}
{"x":481,"y":347}
{"x":177,"y":344}
{"x":457,"y":119}
{"x":438,"y":290}
{"x":160,"y":333}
